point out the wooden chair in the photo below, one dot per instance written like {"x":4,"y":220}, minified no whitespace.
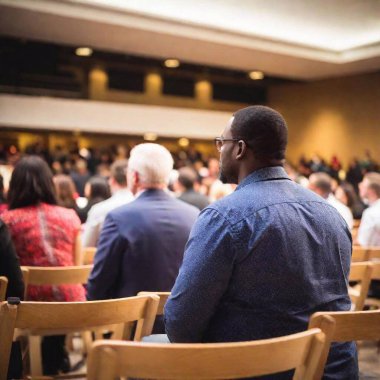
{"x":374,"y":302}
{"x":52,"y":318}
{"x":3,"y":287}
{"x":302,"y":351}
{"x":88,"y":255}
{"x":359,"y":253}
{"x":52,"y":276}
{"x":55,"y":275}
{"x":349,"y":326}
{"x":374,"y":253}
{"x":163,"y":298}
{"x":362,"y":273}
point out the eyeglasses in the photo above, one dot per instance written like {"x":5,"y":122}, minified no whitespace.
{"x":219,"y":141}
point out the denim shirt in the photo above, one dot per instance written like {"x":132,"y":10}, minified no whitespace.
{"x":258,"y":263}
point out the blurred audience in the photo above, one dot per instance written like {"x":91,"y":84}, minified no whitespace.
{"x":80,"y":175}
{"x":3,"y":201}
{"x":120,"y":195}
{"x":321,"y":183}
{"x":185,"y":185}
{"x":65,"y":191}
{"x":96,"y":190}
{"x":346,"y":194}
{"x":369,"y":229}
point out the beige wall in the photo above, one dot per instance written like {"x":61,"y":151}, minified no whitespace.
{"x":336,"y":116}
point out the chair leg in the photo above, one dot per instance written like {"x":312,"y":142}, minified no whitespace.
{"x":87,"y":341}
{"x":35,"y":355}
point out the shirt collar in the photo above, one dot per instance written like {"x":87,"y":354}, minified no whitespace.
{"x":265,"y":174}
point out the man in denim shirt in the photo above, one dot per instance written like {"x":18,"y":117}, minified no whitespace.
{"x":260,"y":261}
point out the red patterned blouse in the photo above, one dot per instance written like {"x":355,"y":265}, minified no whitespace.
{"x":45,"y":235}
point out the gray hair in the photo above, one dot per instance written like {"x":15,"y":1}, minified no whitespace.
{"x":153,"y":162}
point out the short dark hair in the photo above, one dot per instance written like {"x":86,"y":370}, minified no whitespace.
{"x":118,"y":171}
{"x":99,"y":188}
{"x":31,"y":183}
{"x":187,"y":177}
{"x":263,"y":129}
{"x":322,"y":181}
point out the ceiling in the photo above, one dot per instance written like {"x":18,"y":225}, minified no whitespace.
{"x":299,"y":39}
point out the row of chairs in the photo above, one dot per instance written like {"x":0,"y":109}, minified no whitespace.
{"x":362,"y":272}
{"x":306,"y":351}
{"x":360,"y":253}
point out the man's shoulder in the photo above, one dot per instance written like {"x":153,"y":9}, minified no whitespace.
{"x":184,"y":207}
{"x":257,"y":196}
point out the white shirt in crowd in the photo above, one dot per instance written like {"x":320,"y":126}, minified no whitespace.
{"x":369,"y":229}
{"x":98,"y":213}
{"x":343,"y":210}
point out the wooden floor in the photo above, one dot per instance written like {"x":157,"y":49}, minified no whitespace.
{"x":369,"y":361}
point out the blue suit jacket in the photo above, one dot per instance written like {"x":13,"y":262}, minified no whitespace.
{"x":141,"y":246}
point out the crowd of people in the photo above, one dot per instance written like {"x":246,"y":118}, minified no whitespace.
{"x":223,"y":236}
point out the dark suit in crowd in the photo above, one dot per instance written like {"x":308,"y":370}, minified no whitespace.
{"x":141,"y":246}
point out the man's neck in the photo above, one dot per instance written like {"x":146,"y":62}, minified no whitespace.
{"x":246,"y":171}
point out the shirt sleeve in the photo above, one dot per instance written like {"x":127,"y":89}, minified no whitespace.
{"x":107,"y":261}
{"x":366,"y":229}
{"x":203,"y":278}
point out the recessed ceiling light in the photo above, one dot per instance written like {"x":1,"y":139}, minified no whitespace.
{"x":83,"y":51}
{"x":256,"y":75}
{"x":150,"y":136}
{"x":172,"y":63}
{"x":183,"y":142}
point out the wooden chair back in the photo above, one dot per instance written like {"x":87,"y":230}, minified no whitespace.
{"x":374,"y":253}
{"x":375,"y":270}
{"x":301,"y":351}
{"x":88,"y":255}
{"x":55,"y":318}
{"x":55,"y":275}
{"x":374,"y":302}
{"x":3,"y":287}
{"x":359,"y":253}
{"x":349,"y":326}
{"x":361,"y":272}
{"x":163,"y":298}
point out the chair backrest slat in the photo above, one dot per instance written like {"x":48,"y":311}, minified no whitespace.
{"x":359,"y":254}
{"x":373,"y":253}
{"x":64,"y":317}
{"x":3,"y":287}
{"x":88,"y":255}
{"x":207,"y":361}
{"x":58,"y":275}
{"x":349,"y":326}
{"x":362,"y":272}
{"x":163,"y":299}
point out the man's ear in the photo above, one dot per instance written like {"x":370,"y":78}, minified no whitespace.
{"x":242,"y":150}
{"x":136,"y":178}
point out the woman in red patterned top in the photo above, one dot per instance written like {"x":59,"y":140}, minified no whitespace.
{"x":43,"y":233}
